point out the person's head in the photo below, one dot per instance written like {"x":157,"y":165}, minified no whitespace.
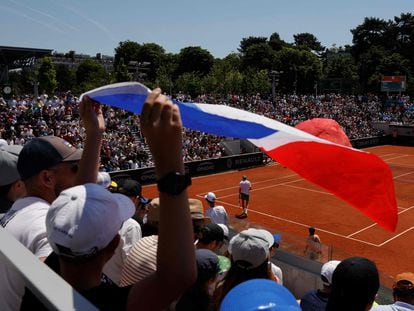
{"x":403,"y":287}
{"x":48,"y":165}
{"x":11,"y":187}
{"x":355,"y":283}
{"x":211,"y":236}
{"x":244,"y":177}
{"x":197,"y":216}
{"x":250,"y":248}
{"x":207,"y":268}
{"x":311,"y":230}
{"x":210,"y":198}
{"x":327,"y":271}
{"x":259,"y":294}
{"x":83,"y":223}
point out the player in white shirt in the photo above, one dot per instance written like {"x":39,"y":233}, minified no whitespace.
{"x":217,"y":213}
{"x":244,"y":194}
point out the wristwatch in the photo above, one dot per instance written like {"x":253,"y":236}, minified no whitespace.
{"x":173,"y":183}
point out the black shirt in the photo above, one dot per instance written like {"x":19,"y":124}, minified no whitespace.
{"x":105,"y":296}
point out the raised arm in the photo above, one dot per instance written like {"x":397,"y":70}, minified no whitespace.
{"x":93,"y":121}
{"x":176,"y":268}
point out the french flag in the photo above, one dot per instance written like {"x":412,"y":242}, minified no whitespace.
{"x":359,"y":178}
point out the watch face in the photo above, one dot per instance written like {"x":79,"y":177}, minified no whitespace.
{"x":7,"y":89}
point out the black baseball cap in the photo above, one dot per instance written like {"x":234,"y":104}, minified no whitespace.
{"x":129,"y":187}
{"x":42,"y":153}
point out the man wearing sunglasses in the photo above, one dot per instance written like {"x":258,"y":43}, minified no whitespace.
{"x":47,"y":166}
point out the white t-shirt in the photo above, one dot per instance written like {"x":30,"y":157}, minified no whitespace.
{"x":217,"y":214}
{"x":26,"y":222}
{"x":277,"y":272}
{"x":245,"y":186}
{"x":130,"y":233}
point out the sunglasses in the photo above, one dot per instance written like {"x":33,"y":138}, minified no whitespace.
{"x":72,"y":165}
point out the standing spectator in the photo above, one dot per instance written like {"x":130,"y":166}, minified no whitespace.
{"x":11,"y":187}
{"x":355,"y":283}
{"x":162,"y":127}
{"x":217,"y":213}
{"x":244,"y":195}
{"x":403,"y":294}
{"x":313,"y":248}
{"x":316,"y":300}
{"x":47,"y":165}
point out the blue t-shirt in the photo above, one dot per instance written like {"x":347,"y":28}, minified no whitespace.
{"x":314,"y":300}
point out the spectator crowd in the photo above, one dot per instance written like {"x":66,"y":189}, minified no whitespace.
{"x":123,"y":146}
{"x":123,"y":251}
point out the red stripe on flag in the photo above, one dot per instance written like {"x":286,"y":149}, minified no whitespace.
{"x":359,"y":178}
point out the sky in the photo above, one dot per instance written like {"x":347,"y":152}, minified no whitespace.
{"x":91,"y":26}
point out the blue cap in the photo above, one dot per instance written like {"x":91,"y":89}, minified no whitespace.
{"x":276,"y":237}
{"x":259,"y":294}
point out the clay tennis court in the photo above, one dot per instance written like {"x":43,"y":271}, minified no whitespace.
{"x":284,"y":202}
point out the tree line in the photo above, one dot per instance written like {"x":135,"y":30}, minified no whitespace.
{"x":379,"y":47}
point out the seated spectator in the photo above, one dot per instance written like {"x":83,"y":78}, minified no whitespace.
{"x":197,"y":216}
{"x":249,"y":252}
{"x":11,"y":187}
{"x":82,"y":255}
{"x":315,"y":300}
{"x":133,"y":189}
{"x":217,"y":213}
{"x":210,"y":237}
{"x":198,"y":297}
{"x":273,"y":245}
{"x":402,"y":292}
{"x":259,"y":294}
{"x":355,"y":283}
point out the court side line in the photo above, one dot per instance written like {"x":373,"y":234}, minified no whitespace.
{"x":296,"y":223}
{"x":312,"y":190}
{"x":374,"y":224}
{"x":322,"y":230}
{"x":394,"y":237}
{"x":400,"y":156}
{"x":403,"y":175}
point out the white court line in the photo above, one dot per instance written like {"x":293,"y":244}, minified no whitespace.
{"x":394,"y":237}
{"x":257,"y":189}
{"x":397,"y":157}
{"x":255,"y":183}
{"x":307,"y":189}
{"x":403,"y":175}
{"x":374,"y":224}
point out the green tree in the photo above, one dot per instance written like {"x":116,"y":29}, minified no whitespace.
{"x":89,"y":75}
{"x":66,"y":77}
{"x":46,"y":76}
{"x":189,"y":83}
{"x":194,"y":59}
{"x":121,"y":72}
{"x":127,"y":51}
{"x":258,"y":56}
{"x":245,"y":43}
{"x":308,"y":41}
{"x":276,"y":43}
{"x":153,"y":55}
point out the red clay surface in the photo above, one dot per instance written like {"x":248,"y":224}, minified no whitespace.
{"x":284,"y":202}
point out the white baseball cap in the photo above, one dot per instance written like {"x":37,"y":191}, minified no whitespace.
{"x":327,"y":271}
{"x":104,"y":179}
{"x":84,"y":219}
{"x":211,"y":197}
{"x":250,"y":246}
